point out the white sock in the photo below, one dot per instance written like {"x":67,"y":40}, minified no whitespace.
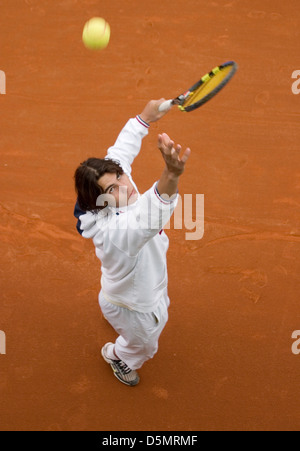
{"x":110,"y":352}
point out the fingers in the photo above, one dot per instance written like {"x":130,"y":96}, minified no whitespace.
{"x":178,"y":149}
{"x":161,"y":143}
{"x":186,"y":155}
{"x":160,"y":101}
{"x":166,"y":139}
{"x":167,"y":146}
{"x":175,"y":152}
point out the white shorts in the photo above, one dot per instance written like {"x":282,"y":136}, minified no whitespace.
{"x":139,"y":332}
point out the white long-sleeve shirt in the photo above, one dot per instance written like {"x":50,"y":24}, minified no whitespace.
{"x":129,"y":241}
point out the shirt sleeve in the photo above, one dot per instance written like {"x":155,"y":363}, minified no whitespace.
{"x":131,"y":230}
{"x":129,"y":142}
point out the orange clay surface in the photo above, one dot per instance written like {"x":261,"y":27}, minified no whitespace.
{"x":225,"y":360}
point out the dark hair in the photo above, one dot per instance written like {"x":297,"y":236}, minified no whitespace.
{"x":86,"y":178}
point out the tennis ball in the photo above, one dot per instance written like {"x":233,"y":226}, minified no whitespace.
{"x":96,"y":34}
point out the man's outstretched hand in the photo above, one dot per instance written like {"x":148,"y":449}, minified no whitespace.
{"x":171,"y":154}
{"x":168,"y":183}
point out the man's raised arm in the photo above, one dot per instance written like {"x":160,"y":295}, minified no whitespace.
{"x":129,"y":141}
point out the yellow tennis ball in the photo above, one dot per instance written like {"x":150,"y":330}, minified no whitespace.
{"x":96,"y":34}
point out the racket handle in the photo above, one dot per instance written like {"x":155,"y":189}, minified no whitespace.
{"x":165,"y":106}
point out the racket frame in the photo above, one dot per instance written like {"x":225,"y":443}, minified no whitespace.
{"x":180,"y":100}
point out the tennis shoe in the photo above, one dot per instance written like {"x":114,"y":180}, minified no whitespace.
{"x":120,"y":369}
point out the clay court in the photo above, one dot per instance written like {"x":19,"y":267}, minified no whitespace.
{"x":225,"y":360}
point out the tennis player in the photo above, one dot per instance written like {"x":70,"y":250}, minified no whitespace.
{"x":127,"y":231}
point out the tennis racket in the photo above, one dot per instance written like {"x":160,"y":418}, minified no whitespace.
{"x":204,"y":90}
